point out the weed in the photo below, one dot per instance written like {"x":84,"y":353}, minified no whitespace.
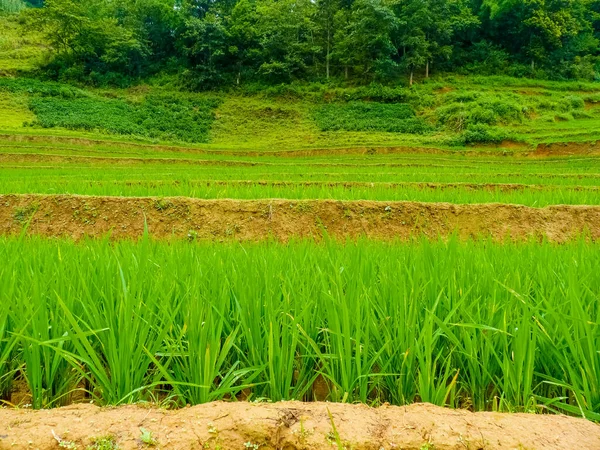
{"x":103,"y":443}
{"x":147,"y":438}
{"x":23,"y":214}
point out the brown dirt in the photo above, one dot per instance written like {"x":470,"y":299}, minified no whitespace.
{"x":566,"y":149}
{"x":294,"y":425}
{"x":179,"y":217}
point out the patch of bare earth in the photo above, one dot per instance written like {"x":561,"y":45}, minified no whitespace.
{"x":566,"y":149}
{"x":180,"y":217}
{"x":293,"y":425}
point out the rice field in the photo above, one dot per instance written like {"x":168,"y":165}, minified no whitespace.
{"x":476,"y":324}
{"x":50,"y":167}
{"x":310,"y":280}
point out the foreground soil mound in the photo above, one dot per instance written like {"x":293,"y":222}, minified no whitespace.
{"x":292,"y":425}
{"x":79,"y":216}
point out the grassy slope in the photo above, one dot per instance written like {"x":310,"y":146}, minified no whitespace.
{"x":280,"y":123}
{"x":21,"y":48}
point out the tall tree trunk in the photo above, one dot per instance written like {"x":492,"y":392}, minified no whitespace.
{"x":411,"y":78}
{"x":346,"y":72}
{"x":427,"y":69}
{"x":532,"y":65}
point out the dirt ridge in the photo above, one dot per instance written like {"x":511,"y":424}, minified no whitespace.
{"x":294,"y":425}
{"x":181,"y":217}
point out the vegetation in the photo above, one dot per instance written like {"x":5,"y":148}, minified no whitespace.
{"x":492,"y":326}
{"x":167,"y":117}
{"x":452,"y":111}
{"x":149,"y":171}
{"x":368,"y":99}
{"x":362,"y":116}
{"x":231,"y":43}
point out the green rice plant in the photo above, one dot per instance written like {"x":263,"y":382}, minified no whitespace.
{"x":477,"y":324}
{"x":274,"y":329}
{"x":49,"y":376}
{"x":198,"y":360}
{"x":120,"y":326}
{"x":574,"y":347}
{"x":8,"y":355}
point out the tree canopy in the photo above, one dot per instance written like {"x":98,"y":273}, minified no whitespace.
{"x":227,"y":42}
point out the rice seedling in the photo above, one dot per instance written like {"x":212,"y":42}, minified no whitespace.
{"x":478,"y":324}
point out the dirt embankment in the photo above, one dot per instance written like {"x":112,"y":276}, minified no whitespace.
{"x":292,"y":425}
{"x":504,"y":148}
{"x":179,"y":217}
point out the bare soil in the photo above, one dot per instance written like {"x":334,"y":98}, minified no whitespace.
{"x":566,"y":149}
{"x":179,"y":217}
{"x":293,"y":425}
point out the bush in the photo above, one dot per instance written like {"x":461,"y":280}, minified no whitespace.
{"x":571,"y":102}
{"x":11,"y":6}
{"x":41,"y":88}
{"x":475,"y":109}
{"x":364,"y":116}
{"x":163,"y":116}
{"x":481,"y":134}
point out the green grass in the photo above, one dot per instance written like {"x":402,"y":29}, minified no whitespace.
{"x":14,"y":111}
{"x":21,"y":49}
{"x":476,"y":324}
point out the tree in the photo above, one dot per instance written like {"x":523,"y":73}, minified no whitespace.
{"x":286,"y":38}
{"x":205,"y":44}
{"x":363,"y":38}
{"x":88,"y":35}
{"x":426,"y":29}
{"x":326,"y":26}
{"x":244,"y":39}
{"x":535,"y":28}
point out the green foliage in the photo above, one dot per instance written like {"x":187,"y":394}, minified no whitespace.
{"x":160,"y":116}
{"x":225,"y":43}
{"x":364,"y":116}
{"x":11,"y":6}
{"x":480,"y":133}
{"x":473,"y":108}
{"x":278,"y":315}
{"x":104,"y":443}
{"x":36,"y":87}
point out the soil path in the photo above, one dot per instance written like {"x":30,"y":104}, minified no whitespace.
{"x":180,"y":217}
{"x":294,"y":425}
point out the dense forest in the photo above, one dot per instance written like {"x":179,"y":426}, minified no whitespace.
{"x":210,"y":43}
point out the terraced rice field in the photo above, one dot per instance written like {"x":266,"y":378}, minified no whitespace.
{"x":462,"y":278}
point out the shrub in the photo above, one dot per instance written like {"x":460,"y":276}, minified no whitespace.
{"x":11,"y":6}
{"x":41,"y":88}
{"x":364,"y":116}
{"x":571,"y":102}
{"x":473,"y":109}
{"x":163,"y":116}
